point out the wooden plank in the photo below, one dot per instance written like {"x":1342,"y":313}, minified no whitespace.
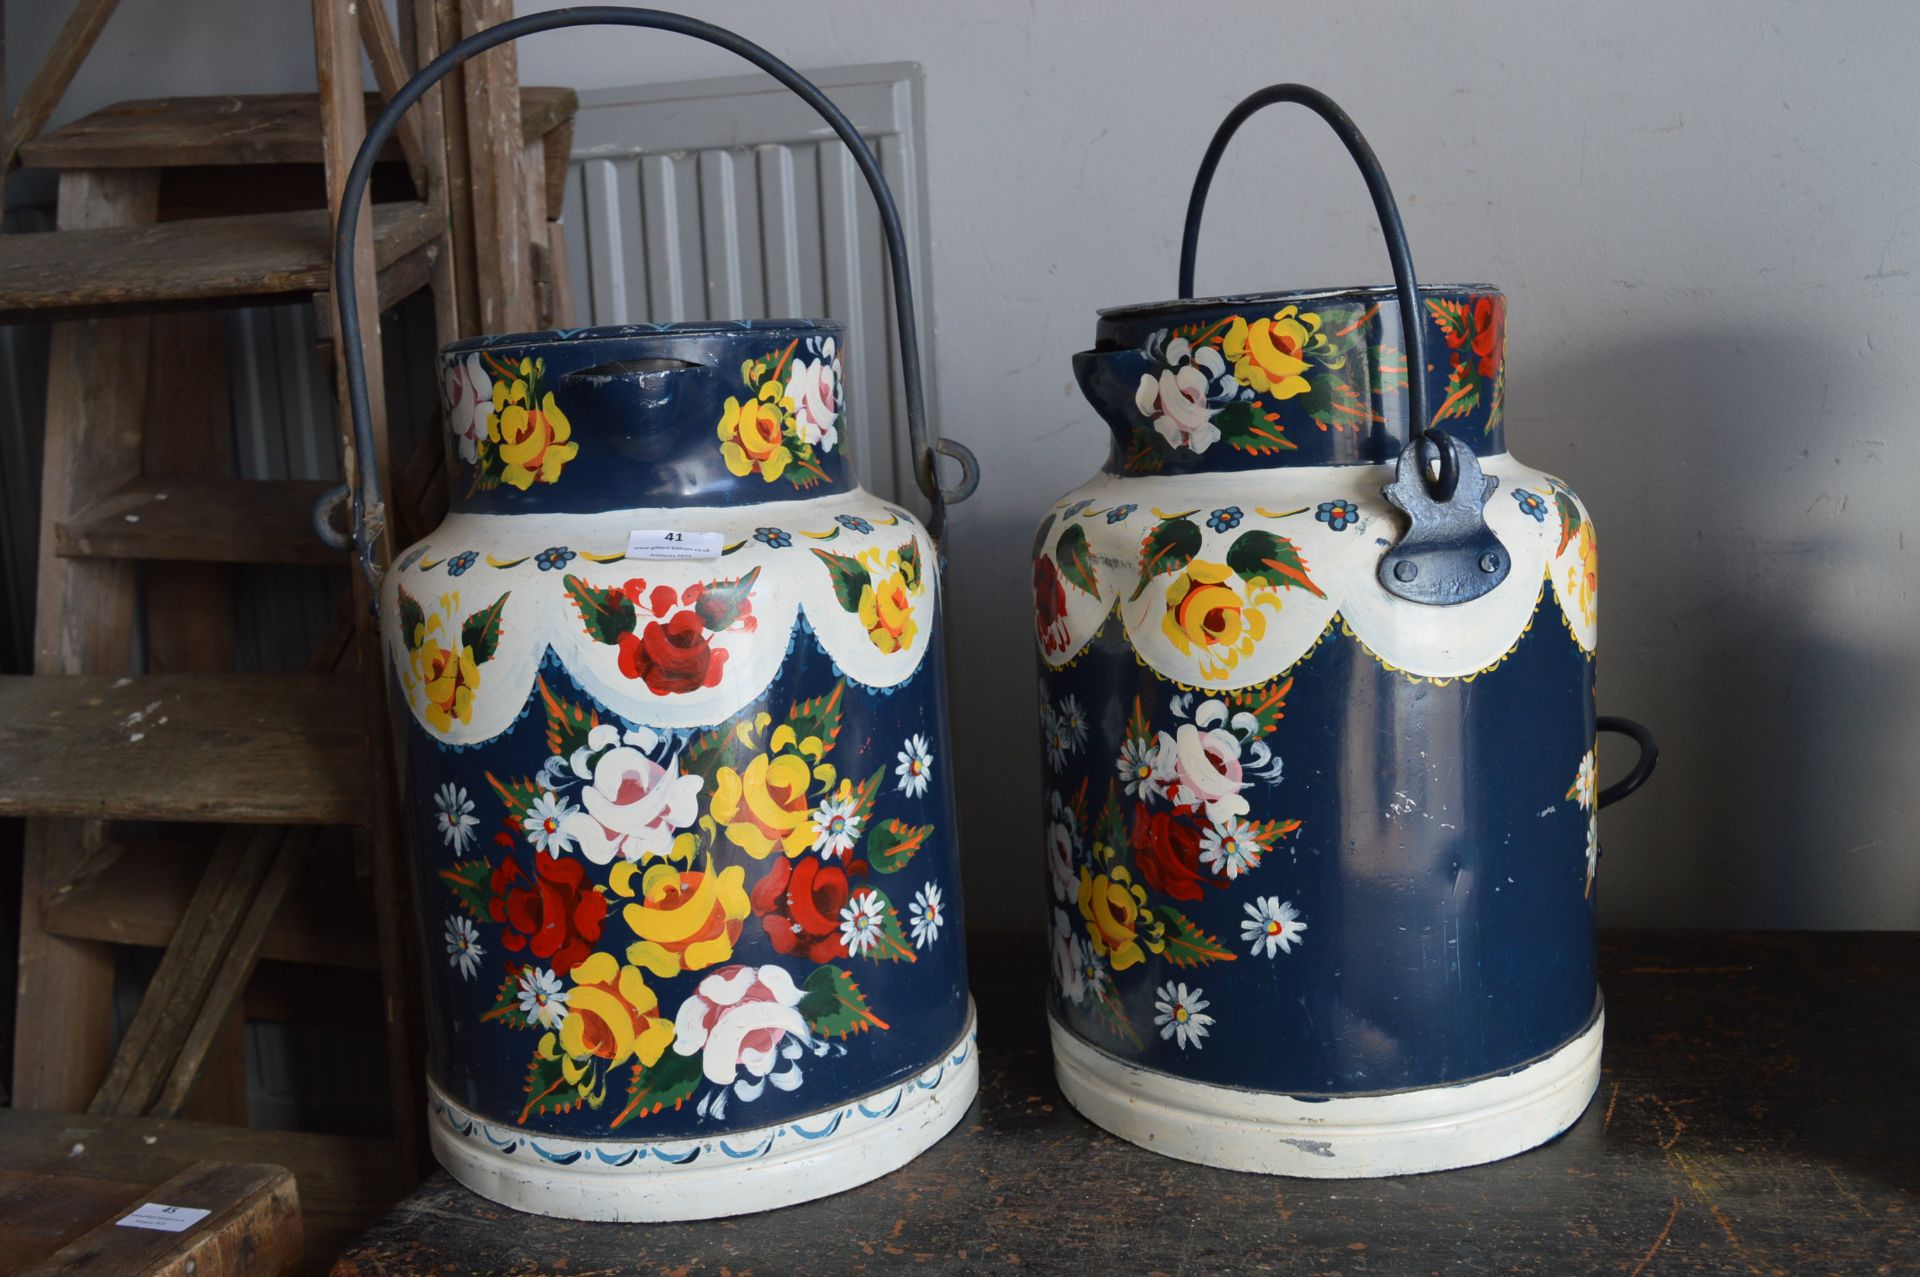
{"x":49,"y":84}
{"x":417,"y":270}
{"x":235,"y":129}
{"x":391,"y":74}
{"x":96,"y":390}
{"x":1757,"y":1114}
{"x":202,"y":520}
{"x":344,"y":1184}
{"x":456,"y":309}
{"x":504,"y":268}
{"x":40,"y":1213}
{"x":254,"y":257}
{"x":253,"y":1228}
{"x":234,"y":748}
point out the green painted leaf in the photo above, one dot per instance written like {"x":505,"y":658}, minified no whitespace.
{"x":469,"y":880}
{"x":1170,"y":546}
{"x":910,"y":564}
{"x":721,"y":603}
{"x":1146,"y":453}
{"x":892,"y":945}
{"x":1248,"y":426}
{"x":547,"y":1089}
{"x":1138,"y":728}
{"x":865,"y":795}
{"x":1569,"y":518}
{"x":1076,"y":559}
{"x":669,"y":1083}
{"x":1187,"y":944}
{"x":506,"y":1001}
{"x":481,"y":631}
{"x":892,"y":843}
{"x":849,"y":577}
{"x":1453,"y":317}
{"x":1463,"y":391}
{"x":1267,"y":703}
{"x":1110,"y":841}
{"x":413,"y":620}
{"x":833,"y":1005}
{"x":1268,"y":833}
{"x":1267,"y":557}
{"x":1111,"y":1016}
{"x":518,"y":795}
{"x":568,"y":724}
{"x":819,"y":716}
{"x":607,"y":614}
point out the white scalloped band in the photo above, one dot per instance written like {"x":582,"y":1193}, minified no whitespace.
{"x":1543,"y":525}
{"x":534,"y":567}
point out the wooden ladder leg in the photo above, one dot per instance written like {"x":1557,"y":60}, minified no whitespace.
{"x":96,"y":401}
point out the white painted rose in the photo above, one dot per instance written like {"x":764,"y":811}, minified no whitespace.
{"x":814,"y":388}
{"x":737,"y":1019}
{"x":632,"y":807}
{"x":1203,"y":768}
{"x":469,"y":400}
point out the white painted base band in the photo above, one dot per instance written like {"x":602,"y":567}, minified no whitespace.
{"x":1350,"y":1137}
{"x":659,"y":1181}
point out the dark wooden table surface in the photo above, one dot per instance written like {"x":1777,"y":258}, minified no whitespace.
{"x":1759,"y":1113}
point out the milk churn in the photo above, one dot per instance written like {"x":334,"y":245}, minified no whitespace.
{"x":1317,"y":668}
{"x":673,"y":750}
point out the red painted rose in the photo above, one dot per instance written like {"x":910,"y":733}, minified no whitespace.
{"x":1489,"y":332}
{"x":674,"y":657}
{"x":1167,"y":853}
{"x":799,"y":904}
{"x":1049,"y":605}
{"x":554,"y":916}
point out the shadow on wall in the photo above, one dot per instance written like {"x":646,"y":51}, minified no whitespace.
{"x":1757,"y":611}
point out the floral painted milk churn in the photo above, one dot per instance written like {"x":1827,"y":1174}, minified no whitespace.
{"x":1317,"y":660}
{"x":674,"y":760}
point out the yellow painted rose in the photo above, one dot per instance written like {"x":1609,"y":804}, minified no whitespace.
{"x":612,"y":1016}
{"x":1204,"y":614}
{"x":1583,"y":578}
{"x":686,"y":919}
{"x":1270,"y":354}
{"x":886,"y":602}
{"x":753,"y":434}
{"x":533,"y":438}
{"x":766,"y":807}
{"x":444,"y":676}
{"x":1111,"y":905}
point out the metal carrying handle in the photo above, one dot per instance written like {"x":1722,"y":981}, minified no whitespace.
{"x":1412,"y":331}
{"x":1642,"y":766}
{"x":366,"y":494}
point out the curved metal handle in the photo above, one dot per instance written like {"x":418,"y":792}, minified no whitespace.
{"x":366,"y":494}
{"x":1412,"y":331}
{"x":1642,"y":767}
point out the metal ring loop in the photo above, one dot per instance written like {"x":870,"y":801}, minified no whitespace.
{"x":1642,"y":767}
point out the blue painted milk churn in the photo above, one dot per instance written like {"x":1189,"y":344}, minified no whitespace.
{"x":1318,"y":709}
{"x":673,"y":753}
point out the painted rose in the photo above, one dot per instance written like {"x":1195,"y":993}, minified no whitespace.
{"x":1166,"y":850}
{"x":1111,"y":904}
{"x":1207,"y":615}
{"x":687,"y":920}
{"x":1203,"y":769}
{"x":469,"y":396}
{"x":1489,"y":333}
{"x":552,"y":915}
{"x":1067,"y":959}
{"x":612,"y":1017}
{"x":799,"y":903}
{"x":1269,"y":355}
{"x":736,"y":1022}
{"x":886,"y":606}
{"x":673,"y":651}
{"x":1583,"y":577}
{"x":1050,"y":605}
{"x":448,"y":679}
{"x":1181,"y":399}
{"x":753,"y":434}
{"x":814,"y":388}
{"x":766,"y":806}
{"x":631,"y":807}
{"x":534,"y":439}
{"x":1062,"y":840}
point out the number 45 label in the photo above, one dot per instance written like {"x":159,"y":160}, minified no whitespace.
{"x":672,"y":543}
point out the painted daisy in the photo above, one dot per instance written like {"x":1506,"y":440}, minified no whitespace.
{"x":1272,"y":923}
{"x":1073,"y":722}
{"x":542,"y":1000}
{"x":456,"y":820}
{"x":544,"y":821}
{"x":1138,"y":773}
{"x":836,"y":826}
{"x":915,"y":768}
{"x":463,"y":945}
{"x":1586,"y":782}
{"x":926,"y":915}
{"x":862,"y":923}
{"x":1054,"y":733}
{"x":1593,"y":849}
{"x":1181,"y":1015}
{"x":1230,"y":848}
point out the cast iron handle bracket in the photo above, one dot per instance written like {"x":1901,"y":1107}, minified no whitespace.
{"x":1440,"y":528}
{"x":1642,"y":766}
{"x":369,"y":524}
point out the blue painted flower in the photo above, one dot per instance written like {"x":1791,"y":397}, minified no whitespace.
{"x":853,"y":523}
{"x":773,"y":537}
{"x":1337,"y":514}
{"x":1531,"y":503}
{"x":556,"y":557}
{"x":1225,"y":519}
{"x":1074,"y":509}
{"x":461,"y":562}
{"x":1119,"y":513}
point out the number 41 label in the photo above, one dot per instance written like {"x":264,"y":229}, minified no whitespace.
{"x":672,"y":543}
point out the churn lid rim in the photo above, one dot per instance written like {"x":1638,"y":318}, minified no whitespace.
{"x":1135,"y":311}
{"x":627,"y":332}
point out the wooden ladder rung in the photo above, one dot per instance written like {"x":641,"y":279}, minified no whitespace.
{"x":271,"y":749}
{"x":200,"y":261}
{"x":202,"y":521}
{"x":264,"y":128}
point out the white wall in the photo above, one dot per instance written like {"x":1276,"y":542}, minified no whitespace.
{"x":1707,"y":217}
